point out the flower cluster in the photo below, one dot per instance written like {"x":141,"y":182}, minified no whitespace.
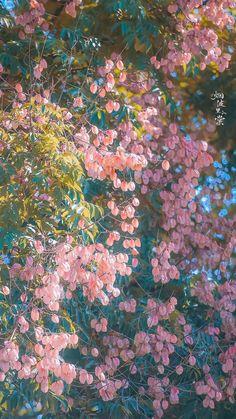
{"x":55,"y":278}
{"x":194,"y":40}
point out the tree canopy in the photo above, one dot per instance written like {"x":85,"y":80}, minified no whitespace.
{"x":117,"y":209}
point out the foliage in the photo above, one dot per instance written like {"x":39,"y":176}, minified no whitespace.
{"x":117,"y":225}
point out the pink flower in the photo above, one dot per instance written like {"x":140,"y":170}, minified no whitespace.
{"x":70,"y":9}
{"x":35,"y":314}
{"x":192,"y":360}
{"x":74,"y":339}
{"x":55,"y":318}
{"x":179,"y":369}
{"x":38,"y":246}
{"x":18,"y":88}
{"x":93,"y":88}
{"x":2,"y":376}
{"x":78,"y":102}
{"x":165,"y":165}
{"x":5,"y":290}
{"x":94,"y":352}
{"x":120,"y":65}
{"x":57,"y":387}
{"x":109,"y":106}
{"x":172,"y":8}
